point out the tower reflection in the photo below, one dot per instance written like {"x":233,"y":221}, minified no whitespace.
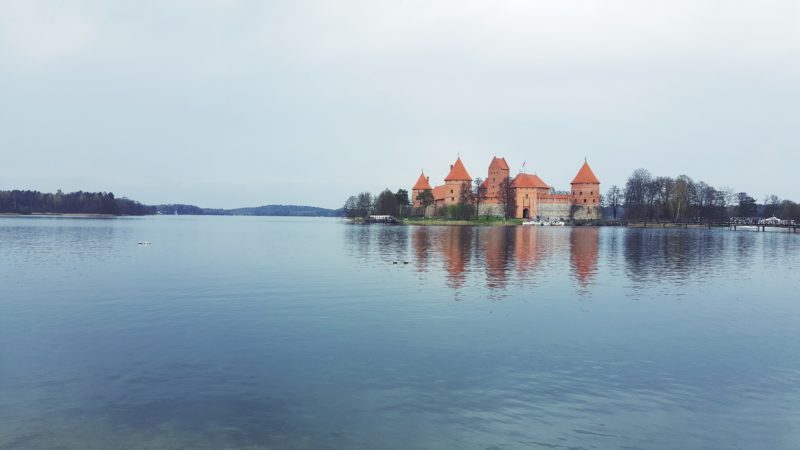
{"x":455,"y":246}
{"x":584,"y":243}
{"x":492,"y":257}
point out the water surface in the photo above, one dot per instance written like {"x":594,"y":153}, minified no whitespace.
{"x":237,"y":332}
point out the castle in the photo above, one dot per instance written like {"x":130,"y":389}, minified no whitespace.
{"x":524,"y":196}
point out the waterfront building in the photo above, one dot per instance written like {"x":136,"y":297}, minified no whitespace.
{"x":457,"y":186}
{"x":525,"y":196}
{"x":423,"y":184}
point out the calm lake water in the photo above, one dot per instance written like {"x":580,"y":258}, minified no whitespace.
{"x":237,"y":332}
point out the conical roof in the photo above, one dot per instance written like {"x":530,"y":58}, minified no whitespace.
{"x":422,"y":183}
{"x":585,"y":175}
{"x":458,"y":172}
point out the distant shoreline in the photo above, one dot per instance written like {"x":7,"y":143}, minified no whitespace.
{"x":69,"y":215}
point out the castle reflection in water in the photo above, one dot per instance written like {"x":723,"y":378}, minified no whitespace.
{"x":494,"y":258}
{"x":502,"y":255}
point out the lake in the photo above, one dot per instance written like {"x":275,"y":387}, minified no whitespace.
{"x":300,"y":333}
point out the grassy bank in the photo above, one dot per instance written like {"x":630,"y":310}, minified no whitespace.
{"x":481,"y":221}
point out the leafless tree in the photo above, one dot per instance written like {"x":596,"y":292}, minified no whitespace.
{"x":613,"y":199}
{"x":507,"y":198}
{"x":478,"y":193}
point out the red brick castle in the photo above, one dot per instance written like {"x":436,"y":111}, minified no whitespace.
{"x":523,"y":196}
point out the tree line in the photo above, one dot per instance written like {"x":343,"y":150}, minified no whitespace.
{"x":386,"y":203}
{"x":30,"y":202}
{"x":681,"y":199}
{"x":398,"y":203}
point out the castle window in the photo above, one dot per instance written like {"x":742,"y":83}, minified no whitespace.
{"x":594,"y":200}
{"x":451,"y":191}
{"x":584,"y":200}
{"x":454,"y":199}
{"x":591,"y":192}
{"x":581,"y":192}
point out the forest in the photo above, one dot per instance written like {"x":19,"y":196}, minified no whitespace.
{"x":35,"y":202}
{"x":682,"y":199}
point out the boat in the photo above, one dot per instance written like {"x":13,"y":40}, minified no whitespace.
{"x":533,"y":222}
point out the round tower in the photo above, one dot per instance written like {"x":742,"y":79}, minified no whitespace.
{"x":585,"y":194}
{"x":456,"y":183}
{"x":423,"y":184}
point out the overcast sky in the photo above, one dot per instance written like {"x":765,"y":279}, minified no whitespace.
{"x":242,"y":103}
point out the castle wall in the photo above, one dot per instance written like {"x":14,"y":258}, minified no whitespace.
{"x":491,"y":209}
{"x":580,"y":212}
{"x":561,"y":210}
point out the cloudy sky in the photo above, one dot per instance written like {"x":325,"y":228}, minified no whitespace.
{"x":237,"y":103}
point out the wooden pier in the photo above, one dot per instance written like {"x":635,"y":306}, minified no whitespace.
{"x":793,"y":227}
{"x":758,"y":226}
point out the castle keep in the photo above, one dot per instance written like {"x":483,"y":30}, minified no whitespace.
{"x":523,"y":196}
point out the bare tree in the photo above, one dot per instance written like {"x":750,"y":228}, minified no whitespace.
{"x":772,"y":205}
{"x":679,"y":193}
{"x":364,"y":204}
{"x":507,"y":198}
{"x":478,"y":193}
{"x":637,"y":194}
{"x":613,"y":199}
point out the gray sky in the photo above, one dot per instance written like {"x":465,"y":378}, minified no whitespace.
{"x":242,"y":103}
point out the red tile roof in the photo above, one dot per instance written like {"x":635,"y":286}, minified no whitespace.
{"x":500,"y":163}
{"x":525,"y":180}
{"x":440,"y":192}
{"x":458,"y":172}
{"x":422,"y":183}
{"x":585,"y":176}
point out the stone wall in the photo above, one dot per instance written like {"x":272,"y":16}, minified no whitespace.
{"x":586,"y":212}
{"x":490,"y":209}
{"x":554,"y":211}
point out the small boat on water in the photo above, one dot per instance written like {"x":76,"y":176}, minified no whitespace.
{"x":380,"y":219}
{"x":543,"y":223}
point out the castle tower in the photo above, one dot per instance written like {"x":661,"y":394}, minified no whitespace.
{"x":585,"y":194}
{"x":527,"y":189}
{"x":423,"y":184}
{"x":498,"y":172}
{"x":456,"y":182}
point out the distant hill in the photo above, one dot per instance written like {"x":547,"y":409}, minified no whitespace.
{"x":183,"y":210}
{"x":266,"y":210}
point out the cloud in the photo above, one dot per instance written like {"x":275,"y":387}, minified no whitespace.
{"x":41,"y":32}
{"x":518,"y":32}
{"x":252,"y":87}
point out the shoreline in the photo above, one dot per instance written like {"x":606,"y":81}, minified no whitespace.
{"x":65,"y":215}
{"x":465,"y":222}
